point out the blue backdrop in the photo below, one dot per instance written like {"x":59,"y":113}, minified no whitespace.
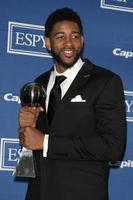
{"x":108,"y":35}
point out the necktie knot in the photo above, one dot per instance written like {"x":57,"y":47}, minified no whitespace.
{"x":59,"y":80}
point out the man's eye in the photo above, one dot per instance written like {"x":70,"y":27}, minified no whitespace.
{"x":59,"y":37}
{"x":75,"y":36}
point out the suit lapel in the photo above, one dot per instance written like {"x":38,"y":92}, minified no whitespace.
{"x":44,"y":78}
{"x":82,"y":77}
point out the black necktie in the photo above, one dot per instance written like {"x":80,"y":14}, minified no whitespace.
{"x":54,"y":98}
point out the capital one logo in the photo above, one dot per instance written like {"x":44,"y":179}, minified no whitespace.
{"x":120,"y":5}
{"x":122,"y":53}
{"x":9,"y":153}
{"x":26,"y":39}
{"x":122,"y":164}
{"x":129,"y":105}
{"x":9,"y":97}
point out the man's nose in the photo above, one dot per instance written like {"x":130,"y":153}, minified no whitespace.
{"x":68,"y":41}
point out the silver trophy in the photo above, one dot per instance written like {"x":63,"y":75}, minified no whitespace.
{"x":31,"y":94}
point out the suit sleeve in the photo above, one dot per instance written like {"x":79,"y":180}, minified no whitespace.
{"x":108,"y":141}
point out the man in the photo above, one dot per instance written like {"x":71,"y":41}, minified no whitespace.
{"x":72,"y":150}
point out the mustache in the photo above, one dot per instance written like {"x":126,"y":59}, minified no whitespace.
{"x":68,"y":49}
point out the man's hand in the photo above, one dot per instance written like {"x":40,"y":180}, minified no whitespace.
{"x":31,"y":138}
{"x":28,"y":116}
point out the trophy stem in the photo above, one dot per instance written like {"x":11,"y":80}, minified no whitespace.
{"x":25,"y":166}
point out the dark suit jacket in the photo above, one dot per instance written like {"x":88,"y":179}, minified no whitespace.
{"x":83,"y":138}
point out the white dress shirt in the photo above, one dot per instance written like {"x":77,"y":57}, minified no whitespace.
{"x":70,"y":75}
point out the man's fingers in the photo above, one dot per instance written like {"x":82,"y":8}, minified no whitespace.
{"x":28,"y":115}
{"x":32,"y":109}
{"x":41,"y":109}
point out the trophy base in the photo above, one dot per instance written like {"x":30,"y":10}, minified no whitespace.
{"x":25,"y":166}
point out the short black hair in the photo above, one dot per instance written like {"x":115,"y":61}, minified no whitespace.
{"x":63,"y":14}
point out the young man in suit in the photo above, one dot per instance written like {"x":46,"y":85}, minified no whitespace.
{"x":72,"y":150}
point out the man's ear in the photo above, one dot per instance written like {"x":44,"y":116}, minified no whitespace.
{"x":47,"y":43}
{"x":82,"y":40}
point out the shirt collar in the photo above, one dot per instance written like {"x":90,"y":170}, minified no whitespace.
{"x":70,"y":72}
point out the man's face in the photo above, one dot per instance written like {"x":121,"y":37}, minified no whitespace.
{"x":65,"y":43}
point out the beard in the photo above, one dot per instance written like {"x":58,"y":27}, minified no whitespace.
{"x":61,"y":62}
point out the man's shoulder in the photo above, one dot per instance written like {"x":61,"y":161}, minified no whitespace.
{"x":101,"y":71}
{"x":42,"y":77}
